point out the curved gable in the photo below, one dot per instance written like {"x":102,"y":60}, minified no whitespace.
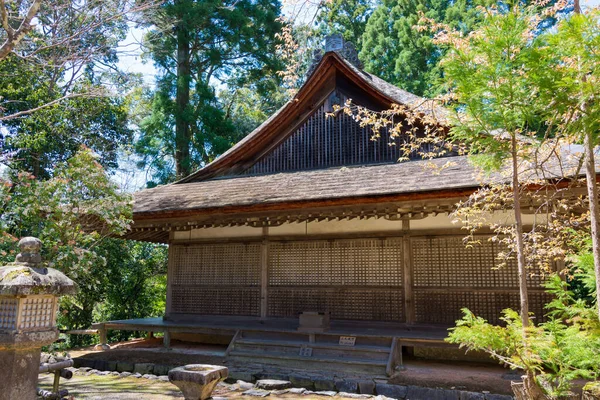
{"x":332,"y":75}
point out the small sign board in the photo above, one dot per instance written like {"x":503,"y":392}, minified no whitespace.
{"x":306,"y":352}
{"x":347,"y":340}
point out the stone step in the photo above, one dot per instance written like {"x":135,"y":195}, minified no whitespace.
{"x":316,"y":350}
{"x":323,"y":338}
{"x":325,"y":362}
{"x":375,"y":349}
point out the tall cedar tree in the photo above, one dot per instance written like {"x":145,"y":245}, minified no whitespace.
{"x":197,"y":46}
{"x":394,"y":50}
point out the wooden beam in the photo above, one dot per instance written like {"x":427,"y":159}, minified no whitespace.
{"x":409,"y":300}
{"x":264,"y":273}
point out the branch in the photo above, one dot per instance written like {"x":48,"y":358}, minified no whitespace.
{"x":14,"y":37}
{"x":49,"y":104}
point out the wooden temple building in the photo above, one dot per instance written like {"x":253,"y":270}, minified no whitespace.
{"x":308,"y":214}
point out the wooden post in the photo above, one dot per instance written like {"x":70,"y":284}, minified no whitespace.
{"x":103,"y":345}
{"x":167,"y":340}
{"x":170,"y":273}
{"x":264,"y":272}
{"x":409,"y":299}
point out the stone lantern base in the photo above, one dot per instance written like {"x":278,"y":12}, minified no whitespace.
{"x":20,"y":362}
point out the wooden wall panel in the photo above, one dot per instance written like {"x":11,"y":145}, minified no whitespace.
{"x":216,"y":278}
{"x":353,"y":278}
{"x":323,"y":142}
{"x":449,"y":276}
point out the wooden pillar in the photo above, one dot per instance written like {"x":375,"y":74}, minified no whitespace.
{"x":409,"y":298}
{"x":264,"y":273}
{"x":170,"y":273}
{"x":167,"y":340}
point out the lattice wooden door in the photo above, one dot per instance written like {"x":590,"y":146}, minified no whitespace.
{"x":217,"y":279}
{"x":449,"y":276}
{"x":358,"y":279}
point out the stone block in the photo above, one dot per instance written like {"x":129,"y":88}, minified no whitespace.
{"x":418,"y":392}
{"x":101,"y":365}
{"x":366,"y":387}
{"x":239,"y":375}
{"x":83,"y":362}
{"x":324,"y":385}
{"x":144,"y":368}
{"x":273,"y":384}
{"x":111,"y":365}
{"x":465,"y":395}
{"x":123,"y":366}
{"x":346,"y":386}
{"x":302,"y":381}
{"x":451,"y":394}
{"x":393,"y":391}
{"x":497,"y":397}
{"x":160,"y":369}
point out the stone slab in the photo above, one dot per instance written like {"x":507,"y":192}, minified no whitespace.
{"x":346,"y":386}
{"x":256,"y":393}
{"x":273,"y":384}
{"x":393,"y":391}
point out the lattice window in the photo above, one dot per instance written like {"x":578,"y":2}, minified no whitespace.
{"x":449,"y":276}
{"x":8,"y":313}
{"x":447,"y":262}
{"x":353,"y":279}
{"x":445,"y":307}
{"x":370,"y":262}
{"x":215,"y":301}
{"x":217,"y":264}
{"x":343,"y":303}
{"x":216,"y":278}
{"x":37,"y":312}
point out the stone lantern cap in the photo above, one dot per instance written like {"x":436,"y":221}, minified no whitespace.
{"x":28,"y":276}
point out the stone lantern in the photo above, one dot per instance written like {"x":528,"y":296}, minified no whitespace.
{"x":29,"y":293}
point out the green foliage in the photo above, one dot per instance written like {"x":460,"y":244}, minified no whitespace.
{"x":37,"y":142}
{"x":71,"y":213}
{"x":135,"y":283}
{"x":347,"y":17}
{"x":74,"y":213}
{"x":572,"y":83}
{"x":213,"y":42}
{"x":494,"y":76}
{"x":555,"y":353}
{"x":395,"y":50}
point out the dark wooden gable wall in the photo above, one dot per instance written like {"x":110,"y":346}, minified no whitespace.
{"x":325,"y":141}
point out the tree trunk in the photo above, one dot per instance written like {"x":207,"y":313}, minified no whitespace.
{"x":182,"y":100}
{"x":528,"y":389}
{"x":592,"y":188}
{"x":519,"y":237}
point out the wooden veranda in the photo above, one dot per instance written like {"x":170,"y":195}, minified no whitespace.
{"x":372,"y":346}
